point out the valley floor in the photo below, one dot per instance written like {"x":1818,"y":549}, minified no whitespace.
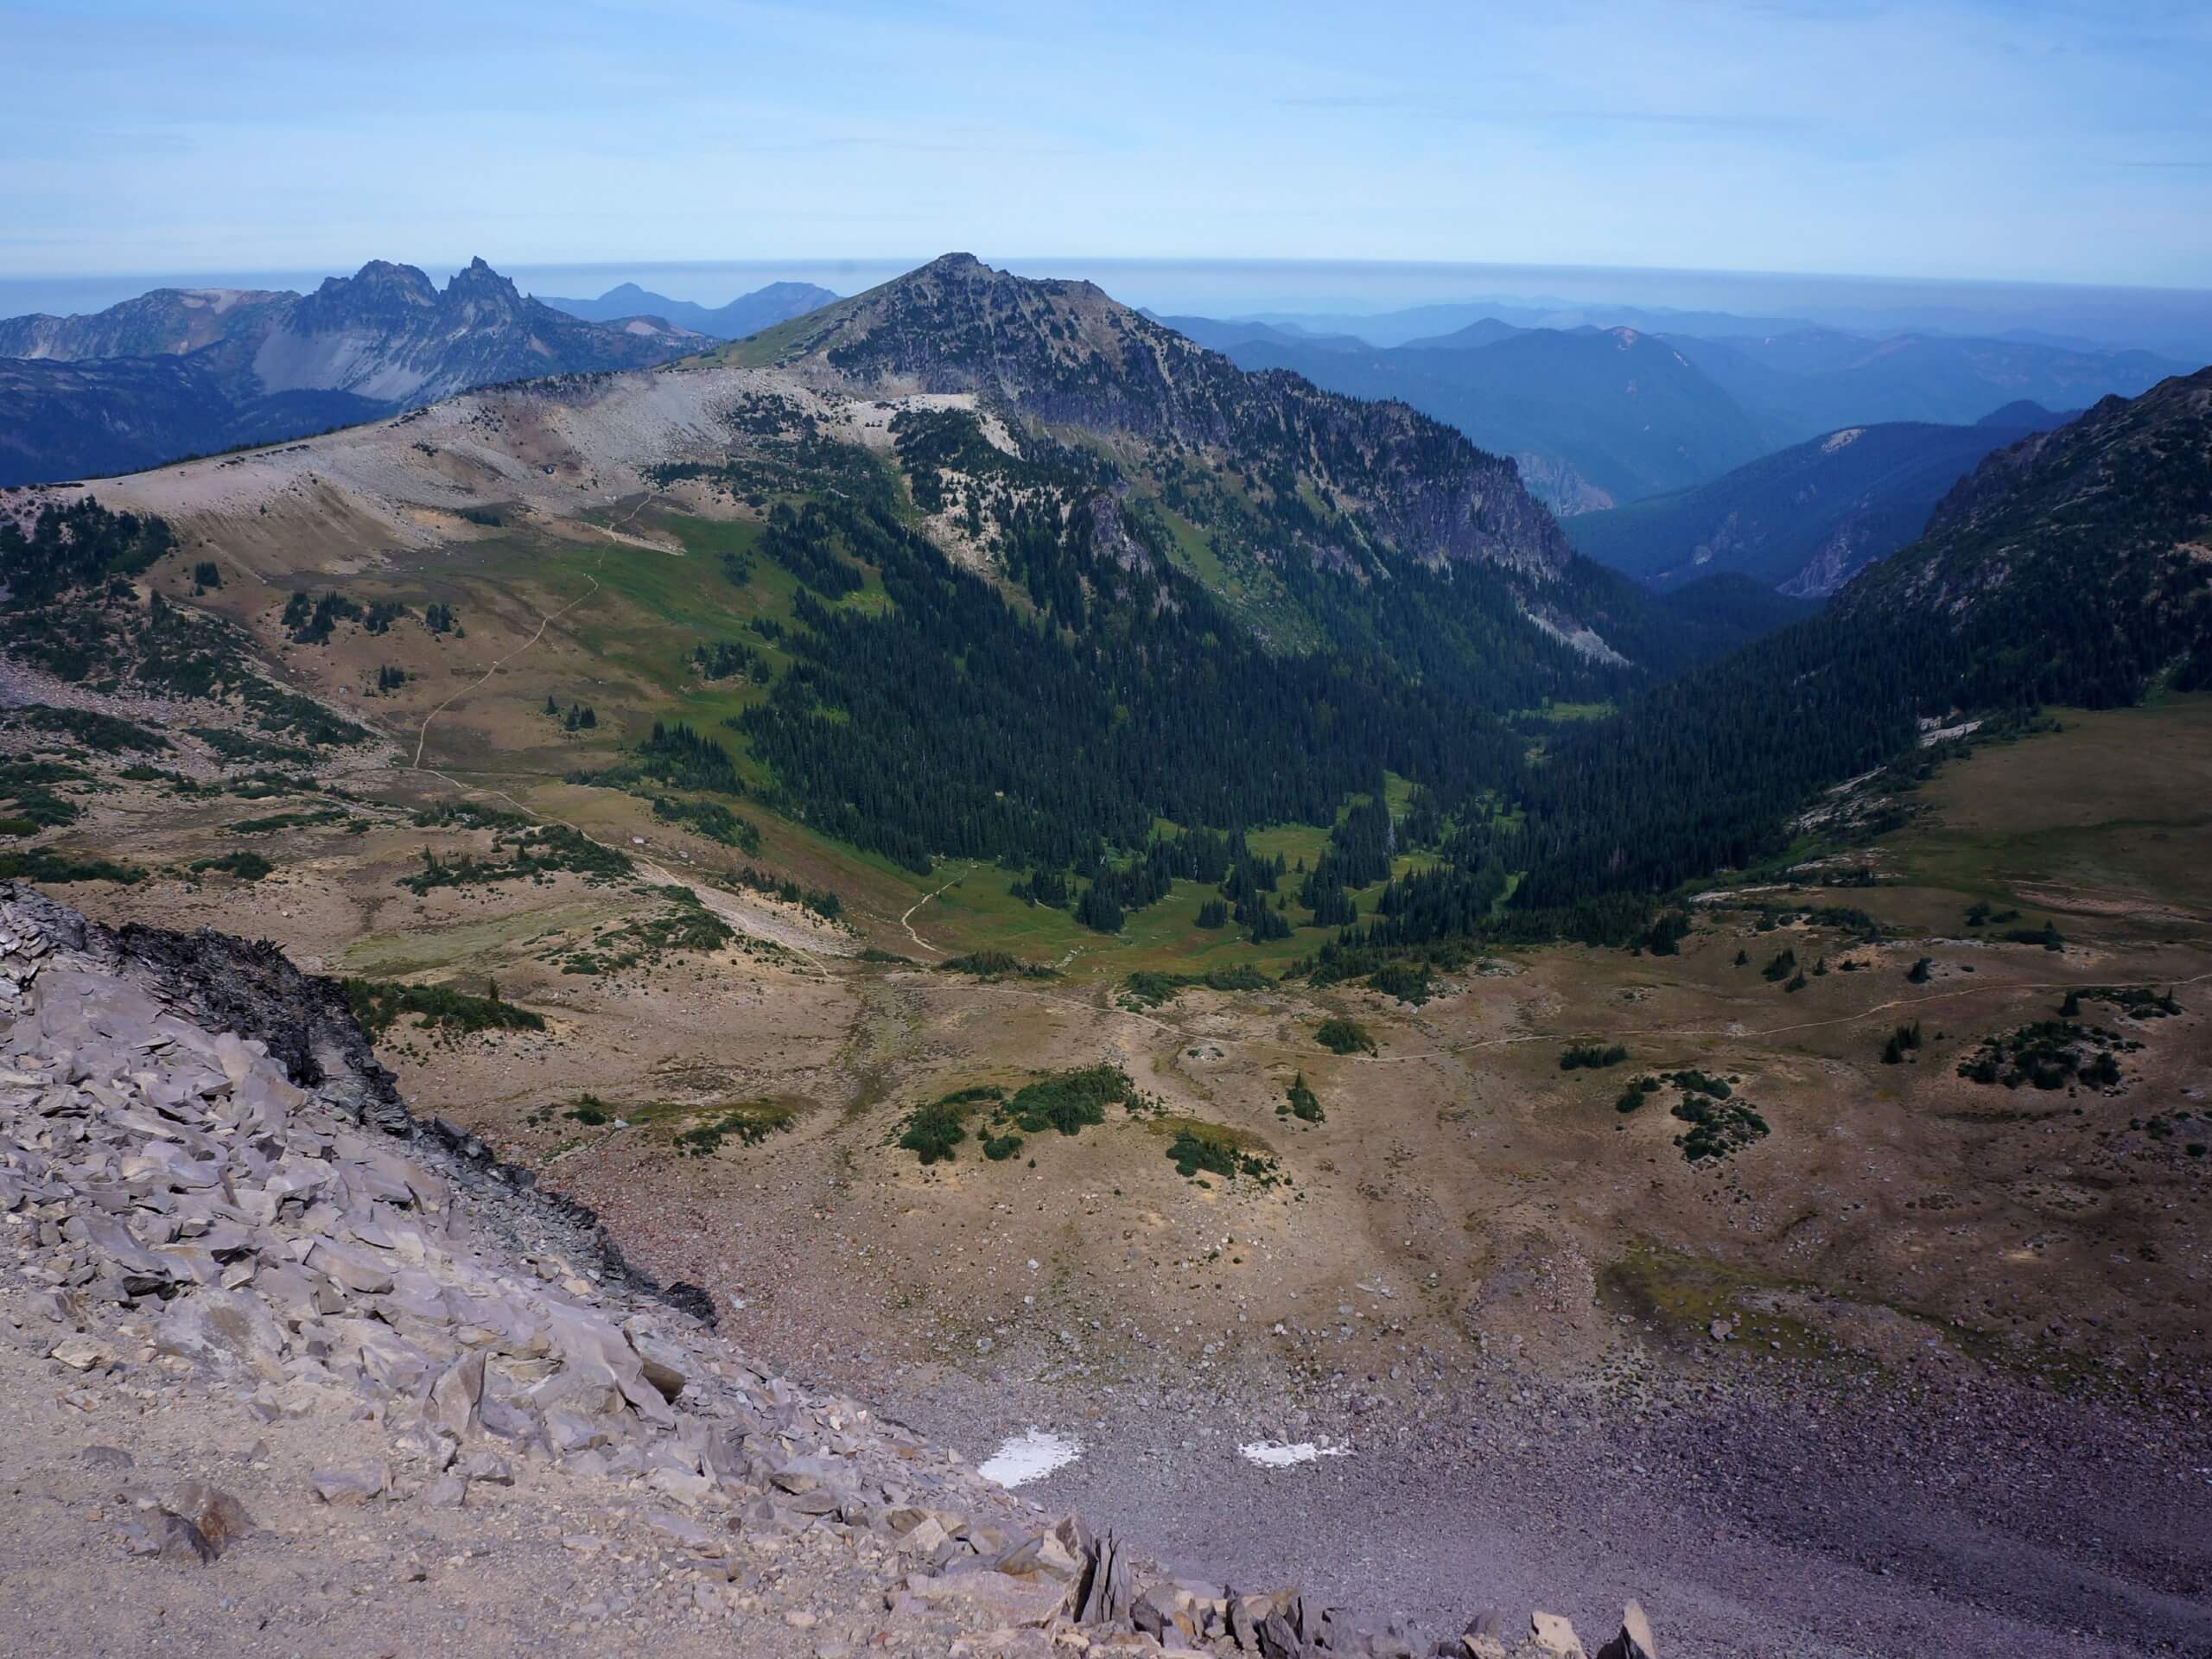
{"x":1921,"y":1368}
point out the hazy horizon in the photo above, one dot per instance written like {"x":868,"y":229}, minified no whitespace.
{"x":2177,"y":322}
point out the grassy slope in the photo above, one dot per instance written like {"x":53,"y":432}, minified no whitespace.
{"x":2107,"y":816}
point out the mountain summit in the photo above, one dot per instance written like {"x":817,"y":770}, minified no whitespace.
{"x":1358,"y":487}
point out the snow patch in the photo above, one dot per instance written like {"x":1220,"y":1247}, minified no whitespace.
{"x":1284,"y":1454}
{"x":1835,"y":441}
{"x":1030,"y":1455}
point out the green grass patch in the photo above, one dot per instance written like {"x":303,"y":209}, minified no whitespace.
{"x":241,"y":750}
{"x":685,"y":923}
{"x":276,"y":821}
{"x":517,"y":856}
{"x":748,"y":1122}
{"x":1196,"y":1148}
{"x":1146,"y":989}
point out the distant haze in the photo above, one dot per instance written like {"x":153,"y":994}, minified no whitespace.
{"x":1322,"y":294}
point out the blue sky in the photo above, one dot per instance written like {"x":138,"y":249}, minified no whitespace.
{"x":2064,"y":143}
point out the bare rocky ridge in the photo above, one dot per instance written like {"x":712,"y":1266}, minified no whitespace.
{"x":225,"y":1224}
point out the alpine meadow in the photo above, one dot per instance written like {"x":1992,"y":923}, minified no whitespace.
{"x":1382,"y":916}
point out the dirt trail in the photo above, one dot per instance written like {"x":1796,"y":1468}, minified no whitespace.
{"x":907,"y":921}
{"x":613,"y":531}
{"x":423,"y":736}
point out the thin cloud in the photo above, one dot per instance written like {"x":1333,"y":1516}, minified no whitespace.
{"x":1494,"y":115}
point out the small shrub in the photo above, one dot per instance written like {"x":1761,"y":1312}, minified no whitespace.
{"x":247,"y":865}
{"x":1201,"y":1147}
{"x":1591,"y":1056}
{"x":377,"y":1004}
{"x":933,"y":1131}
{"x":994,"y":964}
{"x":1345,"y":1037}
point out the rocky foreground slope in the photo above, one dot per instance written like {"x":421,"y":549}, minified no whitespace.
{"x":284,"y":1369}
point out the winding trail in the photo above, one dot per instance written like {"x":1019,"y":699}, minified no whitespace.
{"x":423,"y":736}
{"x":613,"y":532}
{"x":907,"y":921}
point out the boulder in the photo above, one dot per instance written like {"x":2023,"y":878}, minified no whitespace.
{"x":457,"y":1396}
{"x":169,"y":1537}
{"x":223,"y":1330}
{"x":80,"y":1354}
{"x":1554,"y":1637}
{"x":994,"y":1596}
{"x":220,"y":1519}
{"x":1633,"y":1640}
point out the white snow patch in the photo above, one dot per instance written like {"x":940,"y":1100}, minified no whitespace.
{"x":1030,"y":1455}
{"x":1282,"y":1454}
{"x":1835,"y":441}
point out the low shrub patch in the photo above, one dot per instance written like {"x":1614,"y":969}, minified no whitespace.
{"x":1345,"y":1037}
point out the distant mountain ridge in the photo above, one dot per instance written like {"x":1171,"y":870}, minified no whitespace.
{"x":1669,"y":410}
{"x":1593,"y":416}
{"x":182,"y":371}
{"x":1804,"y":520}
{"x":746,"y":315}
{"x":161,"y":322}
{"x":1798,"y":386}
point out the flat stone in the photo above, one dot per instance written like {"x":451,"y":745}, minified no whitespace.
{"x":995,"y":1596}
{"x":344,"y":1486}
{"x":682,"y":1529}
{"x":79,"y":1354}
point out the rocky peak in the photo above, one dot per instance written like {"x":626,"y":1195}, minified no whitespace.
{"x":380,"y":295}
{"x":479,"y":294}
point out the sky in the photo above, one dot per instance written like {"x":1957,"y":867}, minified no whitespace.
{"x":1945,"y":139}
